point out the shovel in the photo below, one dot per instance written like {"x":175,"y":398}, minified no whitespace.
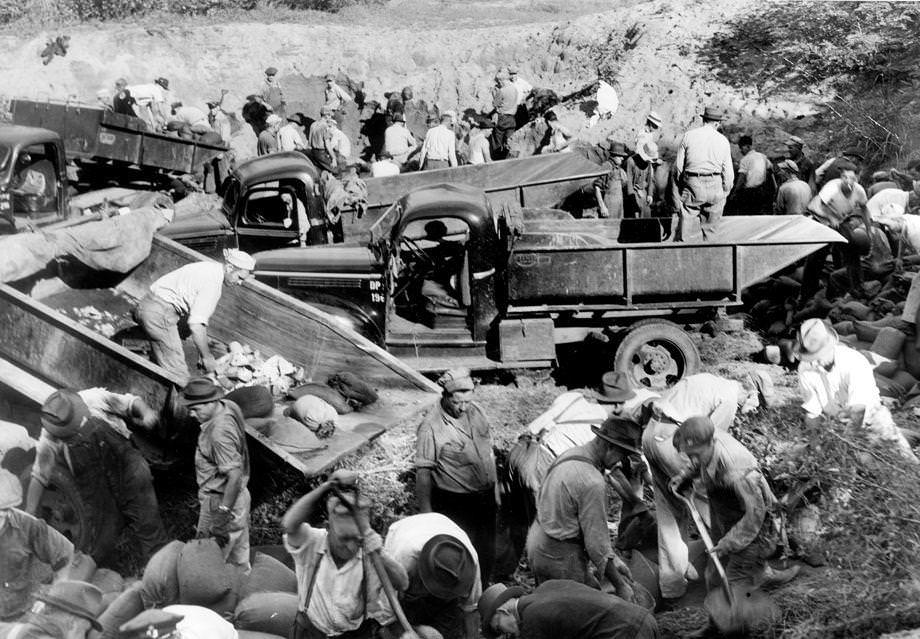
{"x":734,"y":608}
{"x":377,"y":562}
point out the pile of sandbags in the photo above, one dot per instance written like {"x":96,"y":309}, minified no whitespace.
{"x":243,"y":366}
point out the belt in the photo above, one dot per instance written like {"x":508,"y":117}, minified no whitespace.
{"x":692,"y":174}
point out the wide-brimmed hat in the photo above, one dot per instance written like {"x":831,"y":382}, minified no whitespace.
{"x":615,"y":388}
{"x":446,"y":567}
{"x":201,"y":390}
{"x":712,"y":112}
{"x":654,"y":118}
{"x":648,"y":151}
{"x":456,"y":379}
{"x":694,"y":431}
{"x":622,"y":433}
{"x":63,"y":413}
{"x":615,"y":148}
{"x":150,"y":623}
{"x":163,"y":82}
{"x":815,"y":340}
{"x":79,"y":598}
{"x":10,"y":489}
{"x":491,"y":600}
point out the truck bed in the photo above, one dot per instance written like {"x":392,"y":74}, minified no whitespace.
{"x":45,"y":337}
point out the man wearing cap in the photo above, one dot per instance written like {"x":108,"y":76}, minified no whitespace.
{"x":505,"y":99}
{"x":334,"y":96}
{"x":718,"y":399}
{"x":443,"y":569}
{"x":837,"y":382}
{"x":562,"y":609}
{"x":67,"y":610}
{"x":752,"y":193}
{"x":651,"y":130}
{"x":795,"y":151}
{"x":704,"y":177}
{"x":834,"y":167}
{"x":272,"y":94}
{"x":455,"y":465}
{"x":25,"y":543}
{"x":107,"y":470}
{"x":320,"y":141}
{"x":191,"y":292}
{"x":740,"y":500}
{"x":439,"y":150}
{"x":608,"y":189}
{"x":479,"y":151}
{"x":640,"y":180}
{"x":836,"y":203}
{"x":340,"y":594}
{"x":570,"y":531}
{"x":398,"y":140}
{"x":793,"y":194}
{"x":221,"y":468}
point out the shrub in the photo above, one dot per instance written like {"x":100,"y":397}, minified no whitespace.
{"x":11,"y":10}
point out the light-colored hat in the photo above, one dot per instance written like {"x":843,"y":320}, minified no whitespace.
{"x":273,"y":119}
{"x":654,"y":118}
{"x":10,"y":490}
{"x":795,"y":141}
{"x":457,"y":379}
{"x":648,"y":151}
{"x":788,"y":165}
{"x":78,"y":598}
{"x":815,"y":340}
{"x":238,"y":259}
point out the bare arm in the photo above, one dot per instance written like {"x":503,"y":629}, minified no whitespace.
{"x":232,"y":489}
{"x":423,"y":489}
{"x":34,"y":496}
{"x":304,"y":508}
{"x":200,"y":338}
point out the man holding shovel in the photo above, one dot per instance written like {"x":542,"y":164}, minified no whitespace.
{"x":341,"y":595}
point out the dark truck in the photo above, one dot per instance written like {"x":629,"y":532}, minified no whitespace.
{"x":444,"y":281}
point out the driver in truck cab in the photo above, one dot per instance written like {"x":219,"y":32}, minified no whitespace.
{"x":191,"y":292}
{"x":31,"y":181}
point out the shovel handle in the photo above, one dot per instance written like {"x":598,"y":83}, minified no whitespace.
{"x":377,"y":562}
{"x":707,"y":541}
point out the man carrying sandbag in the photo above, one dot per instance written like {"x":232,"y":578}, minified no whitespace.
{"x":340,"y":593}
{"x":221,"y":469}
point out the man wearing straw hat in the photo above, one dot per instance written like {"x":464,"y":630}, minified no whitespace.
{"x":340,"y":594}
{"x":837,"y":383}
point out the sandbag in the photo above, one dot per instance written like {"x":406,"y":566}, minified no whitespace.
{"x":116,"y":244}
{"x":126,"y":606}
{"x":355,"y":390}
{"x":327,"y":394}
{"x":270,"y":612}
{"x":857,"y":310}
{"x":24,"y":254}
{"x":203,"y":575}
{"x":289,"y":433}
{"x":847,"y":327}
{"x":160,"y":581}
{"x":254,"y":401}
{"x":911,"y":357}
{"x":904,"y":380}
{"x":315,"y":413}
{"x":887,"y":369}
{"x":268,"y":575}
{"x":889,"y":342}
{"x":865,"y":332}
{"x":108,"y":581}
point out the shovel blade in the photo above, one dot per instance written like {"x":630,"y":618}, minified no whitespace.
{"x":750,"y":609}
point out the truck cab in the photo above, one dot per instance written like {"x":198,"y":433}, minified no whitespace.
{"x":33,"y":178}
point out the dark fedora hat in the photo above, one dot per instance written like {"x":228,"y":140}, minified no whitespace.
{"x":712,"y":112}
{"x":622,"y":433}
{"x":491,"y":600}
{"x":201,"y":390}
{"x":79,"y":598}
{"x":63,"y":413}
{"x":446,"y":567}
{"x":615,"y":388}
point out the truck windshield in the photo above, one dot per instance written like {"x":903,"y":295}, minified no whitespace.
{"x":383,"y":227}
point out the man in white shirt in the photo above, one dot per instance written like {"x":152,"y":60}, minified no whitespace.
{"x":291,"y":136}
{"x":398,"y":140}
{"x":192,"y":117}
{"x":837,"y":383}
{"x":479,"y":150}
{"x":151,"y":102}
{"x":191,"y":291}
{"x":753,"y":189}
{"x":439,"y":150}
{"x":523,"y":86}
{"x":385,"y":166}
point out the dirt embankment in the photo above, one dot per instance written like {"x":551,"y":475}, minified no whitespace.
{"x":552,"y":44}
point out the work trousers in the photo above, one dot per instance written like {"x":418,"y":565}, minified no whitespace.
{"x":303,"y":628}
{"x":664,"y":463}
{"x":814,"y":265}
{"x":476,"y":514}
{"x":501,"y":134}
{"x":551,"y":558}
{"x":322,"y":159}
{"x":236,"y":550}
{"x":435,"y":164}
{"x":137,"y":501}
{"x":700,"y":205}
{"x":161,"y":321}
{"x":748,"y":563}
{"x":445,"y":616}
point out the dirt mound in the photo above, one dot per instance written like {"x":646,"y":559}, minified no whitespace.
{"x":450,"y":68}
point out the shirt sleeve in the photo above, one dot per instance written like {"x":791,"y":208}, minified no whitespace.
{"x":592,"y":519}
{"x":728,"y":171}
{"x":226,"y":446}
{"x":681,"y":157}
{"x":811,"y":404}
{"x":48,"y":544}
{"x":45,"y":458}
{"x":309,"y":538}
{"x":105,"y":401}
{"x":630,"y":177}
{"x":426,"y":452}
{"x":747,"y":486}
{"x":861,"y":386}
{"x":202,"y":307}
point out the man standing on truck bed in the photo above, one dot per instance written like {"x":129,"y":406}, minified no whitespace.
{"x":705,"y":176}
{"x":192,"y":292}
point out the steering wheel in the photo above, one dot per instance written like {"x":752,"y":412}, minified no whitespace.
{"x":418,"y":252}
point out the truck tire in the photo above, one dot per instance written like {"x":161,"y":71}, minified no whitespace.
{"x":655,"y":354}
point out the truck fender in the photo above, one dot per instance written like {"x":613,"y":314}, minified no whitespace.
{"x":349,"y":315}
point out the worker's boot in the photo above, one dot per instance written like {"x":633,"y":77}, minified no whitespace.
{"x":771,"y":577}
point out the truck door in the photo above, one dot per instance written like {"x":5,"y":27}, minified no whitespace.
{"x":272,"y":215}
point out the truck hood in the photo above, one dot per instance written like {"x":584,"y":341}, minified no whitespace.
{"x":320,"y":259}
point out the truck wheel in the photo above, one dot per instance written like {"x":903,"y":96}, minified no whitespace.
{"x":63,"y":509}
{"x":656,"y":354}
